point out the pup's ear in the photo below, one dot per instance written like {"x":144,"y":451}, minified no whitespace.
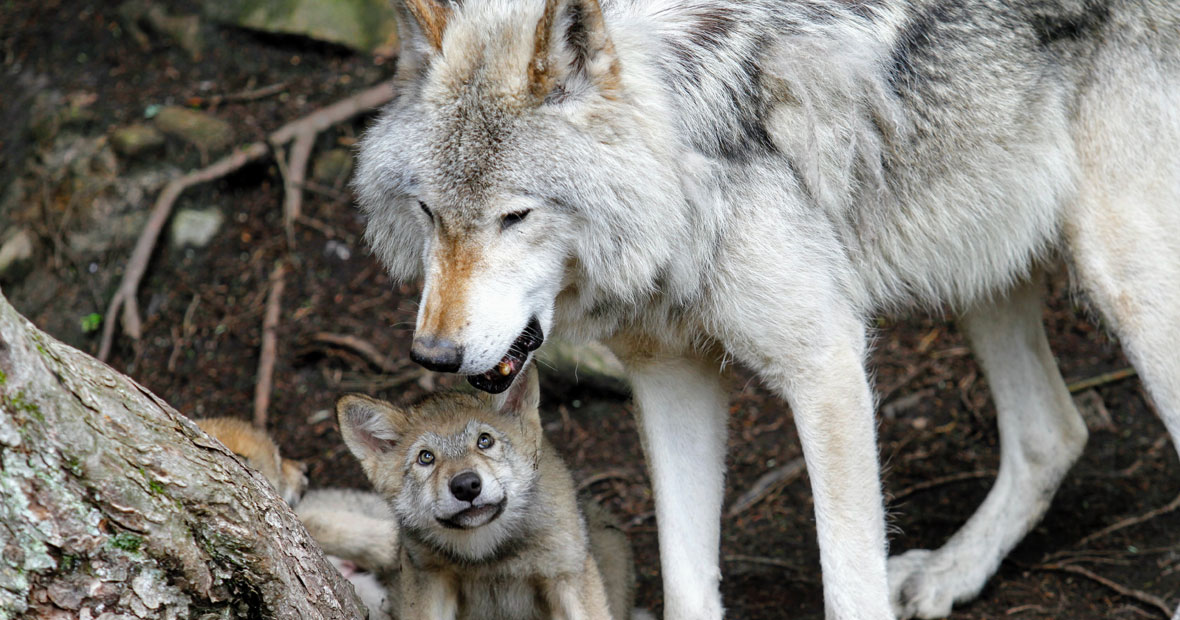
{"x":572,"y":52}
{"x":371,"y":427}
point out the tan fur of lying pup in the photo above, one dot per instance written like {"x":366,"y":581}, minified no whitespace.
{"x":287,"y":476}
{"x":488,"y":516}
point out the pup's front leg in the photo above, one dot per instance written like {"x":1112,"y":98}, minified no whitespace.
{"x":568,"y":600}
{"x":682,"y":415}
{"x":427,"y":595}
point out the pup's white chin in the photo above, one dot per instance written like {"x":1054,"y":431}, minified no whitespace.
{"x":475,"y":517}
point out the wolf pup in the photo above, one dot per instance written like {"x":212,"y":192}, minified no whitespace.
{"x":489,"y":522}
{"x":695,"y":182}
{"x":287,"y":476}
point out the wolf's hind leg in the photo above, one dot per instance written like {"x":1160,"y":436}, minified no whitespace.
{"x":1041,"y":435}
{"x":682,"y":421}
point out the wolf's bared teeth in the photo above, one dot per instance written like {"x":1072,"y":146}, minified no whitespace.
{"x":505,"y":368}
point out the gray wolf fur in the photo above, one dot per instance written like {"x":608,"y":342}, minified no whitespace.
{"x":696,"y":182}
{"x":487,"y":515}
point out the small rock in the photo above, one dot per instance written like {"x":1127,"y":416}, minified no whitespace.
{"x":114,"y":232}
{"x":332,"y":168}
{"x":590,"y":365}
{"x":16,"y":254}
{"x":203,"y":131}
{"x":196,"y":227}
{"x":137,"y":139}
{"x":364,"y":25}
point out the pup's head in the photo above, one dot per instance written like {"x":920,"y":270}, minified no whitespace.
{"x":517,"y":158}
{"x":459,"y":470}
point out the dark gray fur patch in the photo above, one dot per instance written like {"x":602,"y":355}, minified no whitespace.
{"x":918,"y":36}
{"x":1072,"y":26}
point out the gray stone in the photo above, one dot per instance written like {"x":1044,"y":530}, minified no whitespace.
{"x":196,"y":227}
{"x":209,"y":134}
{"x":332,"y":168}
{"x":135,"y":140}
{"x":587,"y":365}
{"x":365,"y":25}
{"x":16,"y":253}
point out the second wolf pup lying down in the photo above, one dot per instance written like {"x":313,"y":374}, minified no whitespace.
{"x":487,"y":512}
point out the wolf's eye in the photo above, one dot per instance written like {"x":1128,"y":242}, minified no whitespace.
{"x":513,"y":219}
{"x":485,"y":441}
{"x":426,"y":209}
{"x":425,"y":457}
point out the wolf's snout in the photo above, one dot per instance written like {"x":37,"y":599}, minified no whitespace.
{"x":465,"y":487}
{"x":437,"y":354}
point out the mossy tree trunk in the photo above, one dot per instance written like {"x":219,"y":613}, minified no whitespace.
{"x":111,"y":501}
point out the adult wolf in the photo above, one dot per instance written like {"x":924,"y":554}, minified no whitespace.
{"x":695,"y":181}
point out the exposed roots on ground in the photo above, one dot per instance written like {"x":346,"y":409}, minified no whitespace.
{"x":124,"y":298}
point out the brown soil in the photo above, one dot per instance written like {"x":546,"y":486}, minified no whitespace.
{"x":205,"y":365}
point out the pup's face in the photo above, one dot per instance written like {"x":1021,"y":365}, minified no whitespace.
{"x":512,"y":123}
{"x":458,"y":470}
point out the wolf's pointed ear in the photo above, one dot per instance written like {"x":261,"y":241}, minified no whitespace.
{"x":370,"y":427}
{"x":572,"y":51}
{"x":425,"y":21}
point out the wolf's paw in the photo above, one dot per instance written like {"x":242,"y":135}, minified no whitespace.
{"x":919,"y":587}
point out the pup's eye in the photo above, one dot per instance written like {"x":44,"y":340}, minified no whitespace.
{"x":513,"y":219}
{"x":425,"y":457}
{"x":426,"y":209}
{"x":485,"y":441}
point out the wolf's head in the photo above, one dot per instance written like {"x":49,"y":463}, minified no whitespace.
{"x":520,"y":156}
{"x":458,"y":470}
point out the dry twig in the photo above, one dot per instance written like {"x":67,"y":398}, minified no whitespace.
{"x":936,"y":482}
{"x":266,"y":362}
{"x":617,"y":473}
{"x":1139,"y":595}
{"x":1102,"y":379}
{"x":765,"y":484}
{"x":124,"y":298}
{"x":293,"y":182}
{"x":366,"y":350}
{"x":1129,"y":521}
{"x":798,"y":573}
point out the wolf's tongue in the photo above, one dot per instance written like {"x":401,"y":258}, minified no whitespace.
{"x":500,"y":377}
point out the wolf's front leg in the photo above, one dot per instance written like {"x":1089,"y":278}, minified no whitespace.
{"x":834,"y":415}
{"x":814,"y":357}
{"x":682,"y":421}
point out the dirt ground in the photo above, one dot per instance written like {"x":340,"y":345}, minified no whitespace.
{"x":203,"y":311}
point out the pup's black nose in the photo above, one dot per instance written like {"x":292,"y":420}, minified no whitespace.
{"x":465,"y":487}
{"x":437,"y":354}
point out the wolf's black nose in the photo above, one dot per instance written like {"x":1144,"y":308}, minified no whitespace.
{"x":465,"y":487}
{"x":437,"y":354}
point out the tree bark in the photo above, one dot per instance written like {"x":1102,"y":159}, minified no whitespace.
{"x":112,"y":502}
